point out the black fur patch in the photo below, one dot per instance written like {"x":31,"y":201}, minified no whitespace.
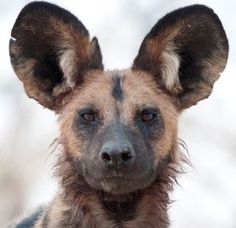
{"x":30,"y":221}
{"x":121,"y":211}
{"x":117,"y":92}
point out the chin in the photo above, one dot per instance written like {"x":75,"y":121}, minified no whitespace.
{"x":120,"y":185}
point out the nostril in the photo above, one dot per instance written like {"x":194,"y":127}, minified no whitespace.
{"x":106,"y":157}
{"x":116,"y":155}
{"x":126,"y":156}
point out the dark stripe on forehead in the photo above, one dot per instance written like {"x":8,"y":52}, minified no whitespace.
{"x":116,"y":89}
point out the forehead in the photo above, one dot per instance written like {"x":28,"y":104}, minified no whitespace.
{"x":124,"y":89}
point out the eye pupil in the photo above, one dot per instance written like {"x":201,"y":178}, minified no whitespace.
{"x":88,"y":117}
{"x":147,"y":116}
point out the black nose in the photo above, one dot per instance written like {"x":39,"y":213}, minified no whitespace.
{"x":116,"y":155}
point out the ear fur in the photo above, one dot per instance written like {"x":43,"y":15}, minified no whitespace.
{"x":50,"y":51}
{"x":185,"y":52}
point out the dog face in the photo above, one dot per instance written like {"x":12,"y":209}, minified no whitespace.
{"x":115,"y":134}
{"x":118,"y":128}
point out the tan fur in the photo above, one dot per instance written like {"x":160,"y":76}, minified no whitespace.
{"x":146,"y":92}
{"x":99,"y":92}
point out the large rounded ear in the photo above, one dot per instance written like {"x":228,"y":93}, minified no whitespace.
{"x":50,"y":51}
{"x":185,"y":51}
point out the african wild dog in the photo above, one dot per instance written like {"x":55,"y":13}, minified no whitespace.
{"x":118,"y":129}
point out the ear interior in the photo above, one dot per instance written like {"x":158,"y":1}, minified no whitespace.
{"x":170,"y":65}
{"x":185,"y":52}
{"x":50,"y":51}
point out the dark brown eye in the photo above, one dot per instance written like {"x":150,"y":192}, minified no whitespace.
{"x":147,"y":116}
{"x":88,"y":117}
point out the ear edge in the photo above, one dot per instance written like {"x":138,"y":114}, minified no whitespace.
{"x":95,"y":55}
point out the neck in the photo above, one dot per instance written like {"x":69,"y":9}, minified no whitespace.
{"x":92,"y":208}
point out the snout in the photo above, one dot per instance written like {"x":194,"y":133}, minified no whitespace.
{"x":120,"y":162}
{"x":117,"y":155}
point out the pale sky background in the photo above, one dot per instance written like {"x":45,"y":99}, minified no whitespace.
{"x":207,"y":196}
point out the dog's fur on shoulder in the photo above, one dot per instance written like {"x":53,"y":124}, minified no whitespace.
{"x":118,"y":129}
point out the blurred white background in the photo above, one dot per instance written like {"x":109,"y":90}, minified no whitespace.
{"x":207,"y":196}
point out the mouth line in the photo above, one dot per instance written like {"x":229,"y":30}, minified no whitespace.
{"x":119,"y":178}
{"x":116,"y":177}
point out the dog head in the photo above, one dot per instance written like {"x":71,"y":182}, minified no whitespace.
{"x":118,"y":127}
